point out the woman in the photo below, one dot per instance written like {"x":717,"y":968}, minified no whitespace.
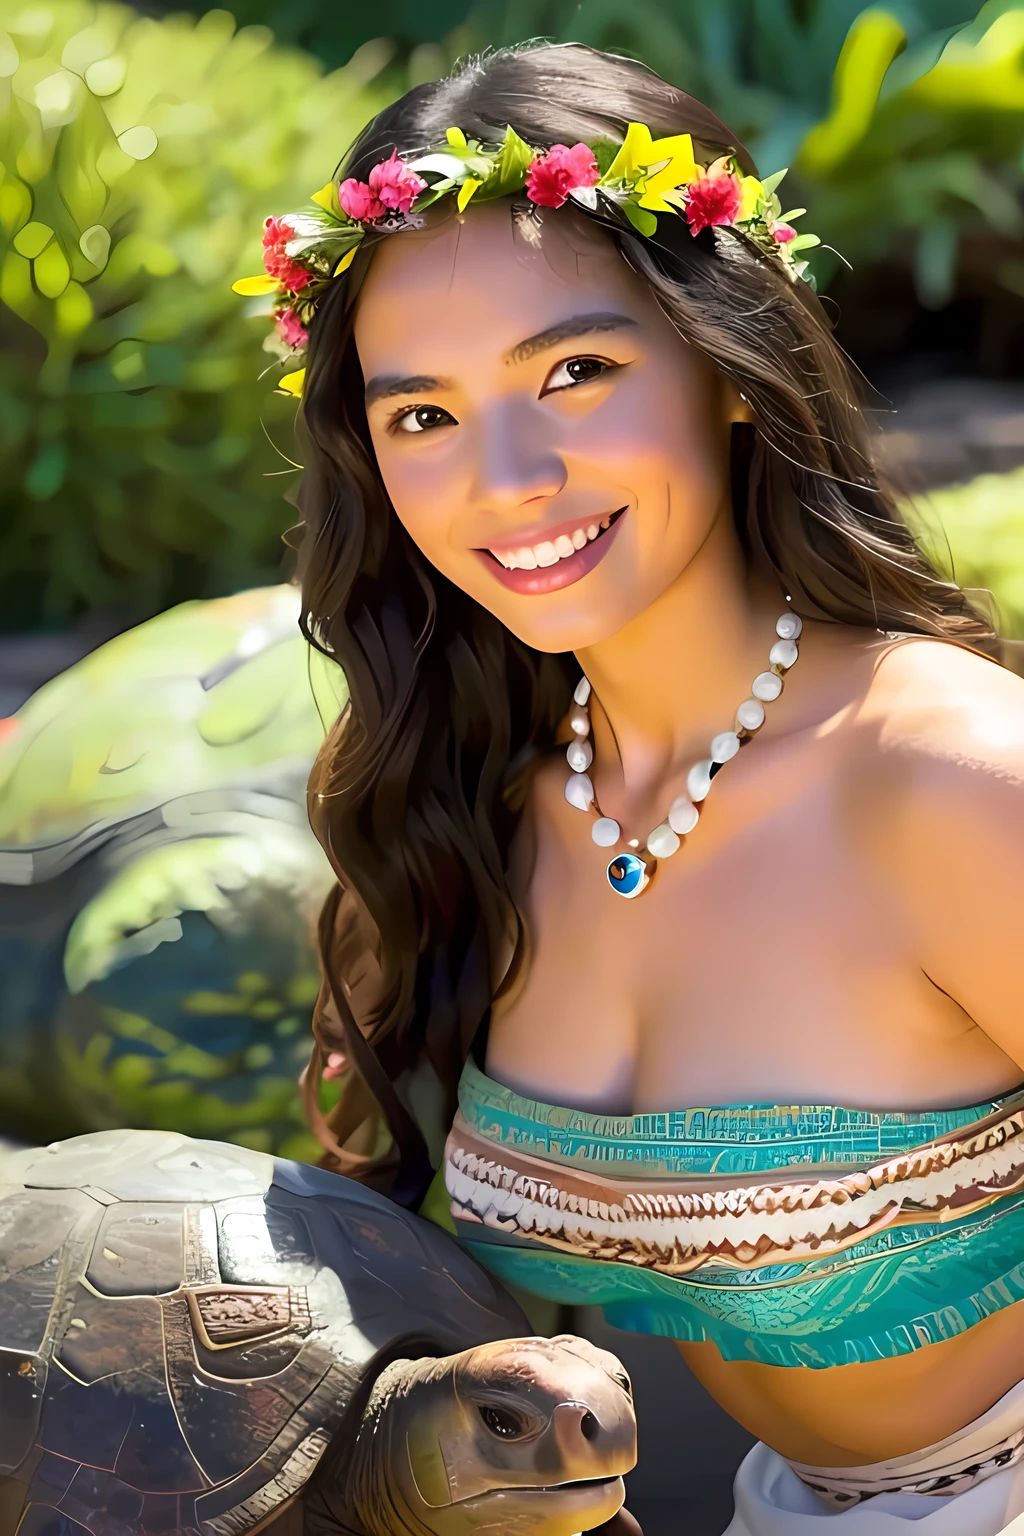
{"x":583,"y":461}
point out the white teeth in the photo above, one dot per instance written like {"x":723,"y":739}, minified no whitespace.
{"x":550,"y":551}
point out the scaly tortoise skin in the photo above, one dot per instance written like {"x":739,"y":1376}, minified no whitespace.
{"x":186,"y":1328}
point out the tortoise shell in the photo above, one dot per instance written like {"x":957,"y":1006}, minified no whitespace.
{"x":184,"y":1323}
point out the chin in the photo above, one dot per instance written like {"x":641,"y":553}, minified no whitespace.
{"x":579,"y":626}
{"x":557,"y":1511}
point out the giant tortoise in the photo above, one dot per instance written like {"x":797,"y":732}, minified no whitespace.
{"x":200,"y":1340}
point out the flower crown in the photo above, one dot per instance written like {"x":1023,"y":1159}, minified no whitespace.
{"x":304,"y":252}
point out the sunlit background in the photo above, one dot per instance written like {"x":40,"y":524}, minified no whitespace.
{"x":158,"y":881}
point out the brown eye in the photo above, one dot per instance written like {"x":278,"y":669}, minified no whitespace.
{"x":581,"y":369}
{"x":500,"y":1422}
{"x":577,"y":370}
{"x":424,"y":418}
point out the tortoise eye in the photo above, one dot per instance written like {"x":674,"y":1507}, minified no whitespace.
{"x":624,"y":1382}
{"x":500,"y":1422}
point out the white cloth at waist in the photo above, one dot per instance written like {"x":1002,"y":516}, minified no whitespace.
{"x":771,"y":1500}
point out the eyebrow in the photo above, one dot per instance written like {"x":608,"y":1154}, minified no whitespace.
{"x":385,"y":385}
{"x":565,"y":330}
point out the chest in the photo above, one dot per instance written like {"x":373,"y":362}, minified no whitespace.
{"x":767,"y":961}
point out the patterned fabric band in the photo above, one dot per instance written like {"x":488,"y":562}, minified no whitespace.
{"x":802,"y":1235}
{"x":951,"y":1466}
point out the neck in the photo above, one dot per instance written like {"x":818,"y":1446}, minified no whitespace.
{"x":375,"y":1481}
{"x":671,"y":679}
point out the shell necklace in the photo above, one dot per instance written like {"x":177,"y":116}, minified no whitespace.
{"x":631,"y":873}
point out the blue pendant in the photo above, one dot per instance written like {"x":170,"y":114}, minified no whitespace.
{"x":630,"y":873}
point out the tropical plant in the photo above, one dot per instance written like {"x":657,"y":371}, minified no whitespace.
{"x":975,"y":532}
{"x":903,"y":122}
{"x":139,"y":158}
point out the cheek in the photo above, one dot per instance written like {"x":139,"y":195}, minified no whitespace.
{"x":422,"y":488}
{"x":659,"y":438}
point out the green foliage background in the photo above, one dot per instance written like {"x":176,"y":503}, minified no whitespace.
{"x":140,"y":155}
{"x":140,"y":158}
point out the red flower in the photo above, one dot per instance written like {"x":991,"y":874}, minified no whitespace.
{"x":291,"y":329}
{"x":553,"y":176}
{"x":290,"y":274}
{"x":712,"y":200}
{"x":783,"y":233}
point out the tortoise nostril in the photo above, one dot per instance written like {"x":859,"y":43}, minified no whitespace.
{"x":589,"y":1426}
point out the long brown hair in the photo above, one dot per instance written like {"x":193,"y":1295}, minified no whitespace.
{"x":417,"y":792}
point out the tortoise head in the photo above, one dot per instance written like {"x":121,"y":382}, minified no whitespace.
{"x":527,"y":1436}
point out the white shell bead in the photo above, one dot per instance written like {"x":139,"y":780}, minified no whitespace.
{"x":750,"y":714}
{"x":683,"y":815}
{"x":579,"y":791}
{"x":766,"y":686}
{"x":605,"y":832}
{"x":662,"y":842}
{"x":582,"y":693}
{"x":725,"y":745}
{"x":783,"y":653}
{"x":579,"y":720}
{"x":789,"y":626}
{"x":579,"y":755}
{"x":698,"y":780}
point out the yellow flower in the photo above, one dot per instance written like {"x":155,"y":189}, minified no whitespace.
{"x":291,"y":383}
{"x":251,"y":287}
{"x":751,"y":195}
{"x":456,"y":138}
{"x":672,"y":161}
{"x":466,"y":191}
{"x":327,"y":199}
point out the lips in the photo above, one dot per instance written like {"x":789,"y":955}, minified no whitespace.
{"x":564,"y":571}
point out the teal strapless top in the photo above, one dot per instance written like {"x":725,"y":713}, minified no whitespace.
{"x":789,"y":1234}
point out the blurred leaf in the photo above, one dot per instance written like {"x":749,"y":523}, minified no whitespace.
{"x":871,"y":45}
{"x":140,"y":157}
{"x":975,"y":533}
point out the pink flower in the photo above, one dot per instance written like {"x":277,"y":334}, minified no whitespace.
{"x":336,"y":1064}
{"x":392,"y":187}
{"x":358,"y":201}
{"x":712,"y":200}
{"x":291,"y":329}
{"x":783,"y":233}
{"x":395,"y":185}
{"x":290,"y":274}
{"x":553,"y":176}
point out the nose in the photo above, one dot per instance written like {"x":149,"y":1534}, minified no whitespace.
{"x":577,"y":1430}
{"x":516,"y":464}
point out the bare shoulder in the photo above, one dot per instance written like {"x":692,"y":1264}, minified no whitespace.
{"x":939,"y":751}
{"x":942,"y":706}
{"x":938,"y":745}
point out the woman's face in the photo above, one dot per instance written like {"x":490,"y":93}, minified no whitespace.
{"x":546,"y":437}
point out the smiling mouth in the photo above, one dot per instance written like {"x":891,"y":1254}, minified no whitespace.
{"x":553,"y":563}
{"x":548,"y":552}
